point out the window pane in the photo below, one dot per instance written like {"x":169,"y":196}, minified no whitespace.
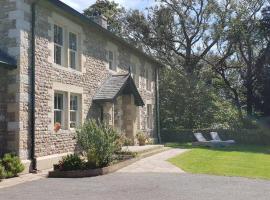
{"x":58,"y":35}
{"x":73,"y":119}
{"x":110,"y":55}
{"x":149,"y":116}
{"x":58,"y":117}
{"x":58,"y":101}
{"x":73,"y":102}
{"x":110,"y":65}
{"x":73,"y":41}
{"x":73,"y":116}
{"x":72,"y":59}
{"x":57,"y":54}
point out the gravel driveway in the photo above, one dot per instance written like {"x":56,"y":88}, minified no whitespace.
{"x":126,"y":184}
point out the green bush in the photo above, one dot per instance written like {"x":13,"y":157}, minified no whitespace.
{"x":2,"y":172}
{"x":71,"y":162}
{"x":12,"y":165}
{"x":260,"y":136}
{"x":125,"y":141}
{"x":141,"y":137}
{"x":100,"y":143}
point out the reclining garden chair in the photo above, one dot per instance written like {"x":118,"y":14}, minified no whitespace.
{"x":215,"y":137}
{"x":201,"y":141}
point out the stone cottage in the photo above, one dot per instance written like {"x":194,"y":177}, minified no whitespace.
{"x":59,"y":67}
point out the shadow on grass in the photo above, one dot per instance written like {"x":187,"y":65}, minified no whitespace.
{"x":237,"y":147}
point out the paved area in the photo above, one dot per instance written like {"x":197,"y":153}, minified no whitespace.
{"x":156,"y":163}
{"x":141,"y":186}
{"x":140,"y":148}
{"x":145,"y":184}
{"x":23,"y":179}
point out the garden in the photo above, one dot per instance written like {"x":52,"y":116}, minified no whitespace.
{"x":10,"y":166}
{"x":252,"y":161}
{"x":100,"y":152}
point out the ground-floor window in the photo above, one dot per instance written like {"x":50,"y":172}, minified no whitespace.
{"x":58,"y":108}
{"x":149,"y":116}
{"x":74,"y":112}
{"x":67,"y":114}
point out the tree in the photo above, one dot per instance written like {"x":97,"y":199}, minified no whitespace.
{"x":111,"y":10}
{"x":182,"y":34}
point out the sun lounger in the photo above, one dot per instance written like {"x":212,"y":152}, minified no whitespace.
{"x":201,"y":141}
{"x":215,"y":137}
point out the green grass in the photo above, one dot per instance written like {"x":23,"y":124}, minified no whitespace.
{"x":246,"y":161}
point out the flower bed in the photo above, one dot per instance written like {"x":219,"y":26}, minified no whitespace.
{"x":92,"y":172}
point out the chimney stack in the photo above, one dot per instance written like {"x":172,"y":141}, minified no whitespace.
{"x":100,"y":20}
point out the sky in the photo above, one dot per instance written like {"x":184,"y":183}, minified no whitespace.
{"x":80,"y":5}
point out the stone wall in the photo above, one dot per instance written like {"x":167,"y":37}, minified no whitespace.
{"x":14,"y":32}
{"x":3,"y":109}
{"x":15,"y":27}
{"x":94,"y":72}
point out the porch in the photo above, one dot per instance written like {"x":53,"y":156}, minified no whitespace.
{"x":119,"y":100}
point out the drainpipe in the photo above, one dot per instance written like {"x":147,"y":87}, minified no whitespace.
{"x":157,"y":106}
{"x":33,"y":98}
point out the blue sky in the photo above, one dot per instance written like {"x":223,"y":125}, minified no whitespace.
{"x":134,"y":4}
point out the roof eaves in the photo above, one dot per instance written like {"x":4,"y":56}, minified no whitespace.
{"x":85,"y":19}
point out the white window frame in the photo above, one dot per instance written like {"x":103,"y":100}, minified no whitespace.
{"x":63,"y":110}
{"x":73,"y":51}
{"x":148,"y":80}
{"x":149,"y":116}
{"x":142,"y":79}
{"x":77,"y":111}
{"x":111,"y":61}
{"x":61,"y":46}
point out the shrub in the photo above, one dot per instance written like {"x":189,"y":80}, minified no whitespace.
{"x":99,"y":141}
{"x":12,"y":165}
{"x":71,"y":162}
{"x":141,"y":137}
{"x":125,"y":141}
{"x":2,"y":172}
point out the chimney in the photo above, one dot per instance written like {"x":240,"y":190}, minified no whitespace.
{"x":100,"y":20}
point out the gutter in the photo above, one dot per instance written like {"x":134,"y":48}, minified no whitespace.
{"x":157,"y":106}
{"x":33,"y":91}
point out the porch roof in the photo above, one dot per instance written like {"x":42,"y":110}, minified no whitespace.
{"x":7,"y":61}
{"x":117,"y":85}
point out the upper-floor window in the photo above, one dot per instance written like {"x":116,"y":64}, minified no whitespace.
{"x":72,"y":50}
{"x":149,"y":116}
{"x":133,"y":72}
{"x":110,"y":58}
{"x":148,"y":80}
{"x":58,"y":44}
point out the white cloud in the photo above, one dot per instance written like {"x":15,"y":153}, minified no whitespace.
{"x":80,"y":5}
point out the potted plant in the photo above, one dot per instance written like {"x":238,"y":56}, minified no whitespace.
{"x":141,"y":137}
{"x":57,"y":127}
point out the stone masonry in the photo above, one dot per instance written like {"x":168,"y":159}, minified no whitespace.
{"x":15,"y":31}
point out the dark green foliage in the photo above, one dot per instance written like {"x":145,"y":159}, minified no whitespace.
{"x":99,"y":141}
{"x":12,"y":165}
{"x":71,"y":162}
{"x":259,"y":136}
{"x":111,"y":10}
{"x":2,"y":172}
{"x":189,"y":107}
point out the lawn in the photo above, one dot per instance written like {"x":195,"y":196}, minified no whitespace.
{"x":245,"y":161}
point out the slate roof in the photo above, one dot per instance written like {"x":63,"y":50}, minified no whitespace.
{"x":117,"y":85}
{"x":7,"y":61}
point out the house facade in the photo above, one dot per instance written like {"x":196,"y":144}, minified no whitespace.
{"x":58,"y":67}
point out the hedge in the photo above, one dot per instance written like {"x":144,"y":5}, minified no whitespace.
{"x":241,"y":136}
